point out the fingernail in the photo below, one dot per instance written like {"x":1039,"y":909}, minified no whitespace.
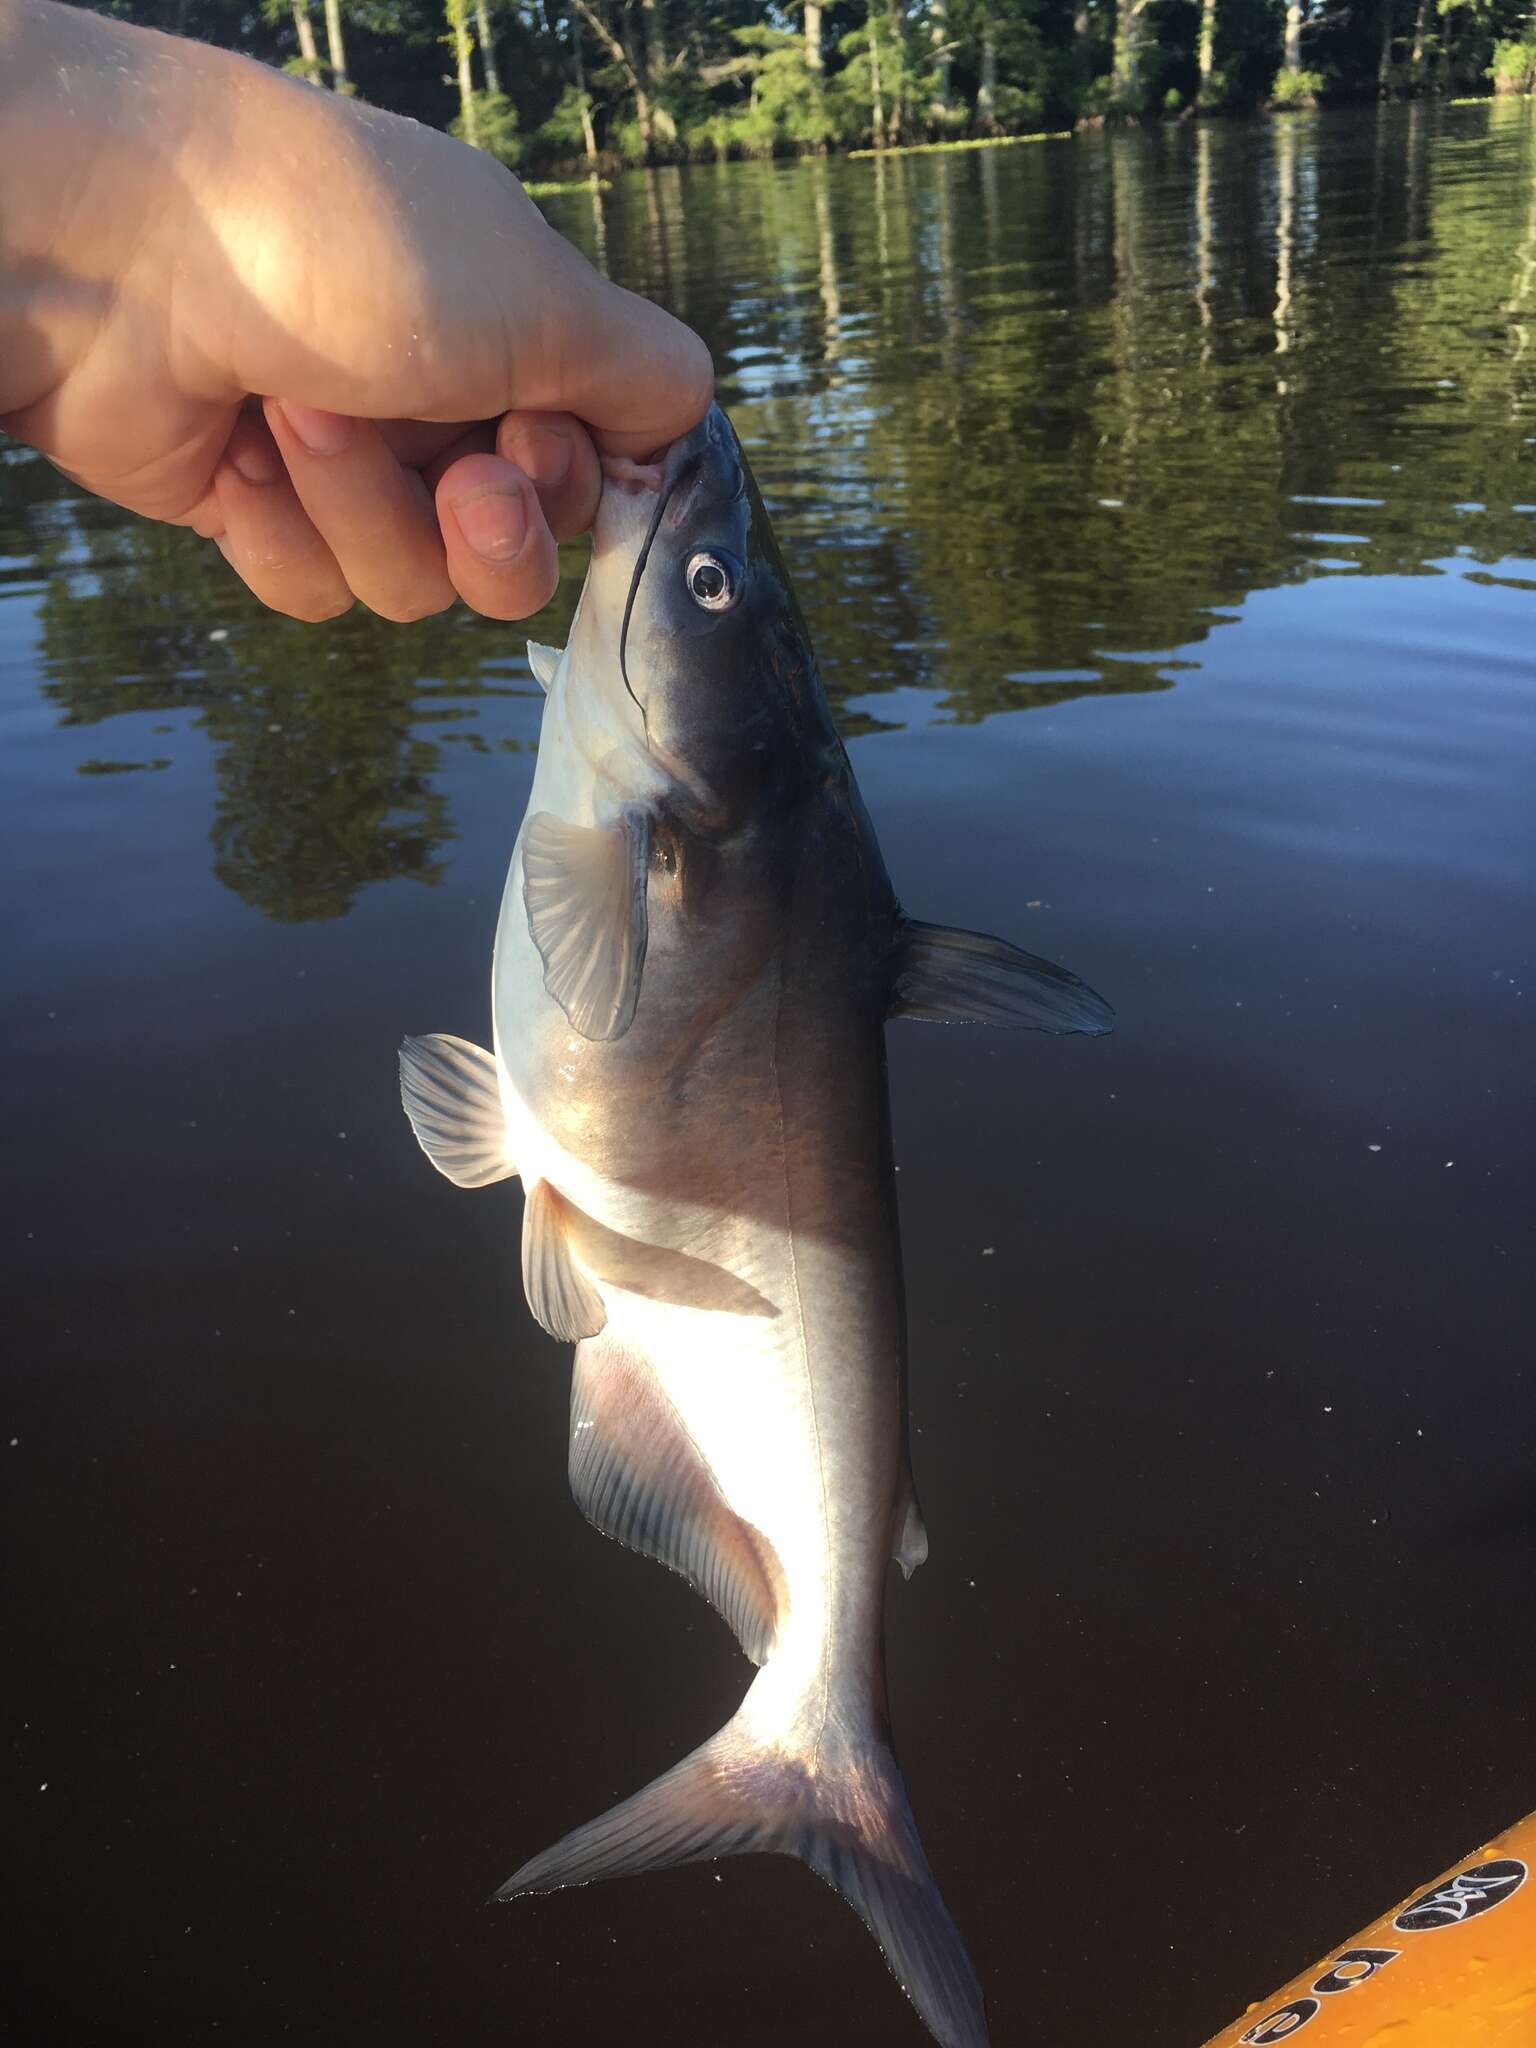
{"x":323,"y":433}
{"x":544,"y":453}
{"x":493,"y":521}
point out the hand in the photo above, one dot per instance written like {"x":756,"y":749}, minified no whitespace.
{"x":437,"y":370}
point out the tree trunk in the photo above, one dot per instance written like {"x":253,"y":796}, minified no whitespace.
{"x":938,"y":36}
{"x":1453,"y":24}
{"x":1127,"y":71}
{"x":1384,"y":61}
{"x":487,"y":47}
{"x":653,"y":29}
{"x":579,"y":74}
{"x":304,"y":29}
{"x":655,"y":32}
{"x":1420,"y":58}
{"x":458,"y":22}
{"x":645,"y":121}
{"x":1206,"y":53}
{"x":1291,"y":61}
{"x":813,"y":35}
{"x":986,"y":88}
{"x":898,"y":92}
{"x":1082,"y":51}
{"x":624,"y":56}
{"x":337,"y":47}
{"x":876,"y":98}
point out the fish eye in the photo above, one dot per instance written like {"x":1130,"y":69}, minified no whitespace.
{"x":710,"y":583}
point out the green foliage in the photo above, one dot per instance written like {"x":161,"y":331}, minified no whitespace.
{"x":784,"y":108}
{"x":731,"y":77}
{"x":495,"y":127}
{"x":1293,"y":89}
{"x":560,"y":133}
{"x":1514,"y":64}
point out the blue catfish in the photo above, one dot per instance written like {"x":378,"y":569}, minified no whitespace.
{"x":697,"y":952}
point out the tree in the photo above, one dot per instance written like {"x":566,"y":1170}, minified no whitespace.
{"x":304,"y":28}
{"x":337,"y":48}
{"x":630,"y":61}
{"x":1205,"y":55}
{"x":1128,"y":80}
{"x":458,"y":41}
{"x":487,"y":47}
{"x":1291,"y":54}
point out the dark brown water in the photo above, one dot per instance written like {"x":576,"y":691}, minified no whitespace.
{"x":1165,"y":513}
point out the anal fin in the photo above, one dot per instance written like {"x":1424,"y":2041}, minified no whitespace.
{"x":452,"y":1097}
{"x":639,"y":1477}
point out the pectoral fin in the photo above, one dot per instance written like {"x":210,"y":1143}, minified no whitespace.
{"x":543,"y":661}
{"x":452,"y":1098}
{"x":559,"y":1293}
{"x":584,"y":891}
{"x":946,"y":976}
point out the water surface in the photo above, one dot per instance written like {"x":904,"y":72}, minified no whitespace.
{"x":1164,"y":512}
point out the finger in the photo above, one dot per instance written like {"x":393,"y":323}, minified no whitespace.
{"x":268,"y":538}
{"x":375,"y":516}
{"x":501,"y":553}
{"x":555,"y":453}
{"x":251,"y":448}
{"x":479,"y":440}
{"x":204,"y":518}
{"x":417,"y":443}
{"x":638,"y":377}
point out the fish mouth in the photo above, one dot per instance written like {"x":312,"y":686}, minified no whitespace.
{"x":708,"y":453}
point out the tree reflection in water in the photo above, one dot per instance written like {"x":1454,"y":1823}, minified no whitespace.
{"x":1029,"y":423}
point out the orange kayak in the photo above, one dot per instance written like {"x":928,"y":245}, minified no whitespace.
{"x":1454,"y":1966}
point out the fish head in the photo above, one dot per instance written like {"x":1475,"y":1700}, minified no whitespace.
{"x":688,"y":584}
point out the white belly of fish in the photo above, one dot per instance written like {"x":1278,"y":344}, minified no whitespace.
{"x":741,"y":1386}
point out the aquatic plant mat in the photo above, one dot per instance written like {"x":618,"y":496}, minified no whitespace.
{"x":971,"y":142}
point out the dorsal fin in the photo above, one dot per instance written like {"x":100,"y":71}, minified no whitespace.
{"x":639,"y":1477}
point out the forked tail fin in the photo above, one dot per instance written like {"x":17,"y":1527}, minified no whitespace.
{"x":851,"y":1823}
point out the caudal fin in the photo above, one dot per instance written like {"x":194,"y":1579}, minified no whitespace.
{"x":851,"y":1823}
